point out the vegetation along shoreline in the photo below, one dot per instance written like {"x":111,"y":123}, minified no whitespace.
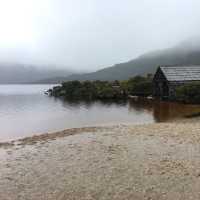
{"x":138,"y":86}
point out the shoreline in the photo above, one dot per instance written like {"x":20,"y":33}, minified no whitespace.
{"x":45,"y":137}
{"x":65,"y":132}
{"x":48,"y":136}
{"x":151,"y":161}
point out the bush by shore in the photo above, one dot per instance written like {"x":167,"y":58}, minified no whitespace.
{"x":189,"y":93}
{"x":140,"y":86}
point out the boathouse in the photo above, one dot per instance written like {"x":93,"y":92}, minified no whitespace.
{"x":168,"y":78}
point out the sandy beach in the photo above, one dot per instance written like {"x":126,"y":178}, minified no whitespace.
{"x":122,"y":162}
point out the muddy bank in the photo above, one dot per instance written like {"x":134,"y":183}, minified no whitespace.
{"x":156,"y":161}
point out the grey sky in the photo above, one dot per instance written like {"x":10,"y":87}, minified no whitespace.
{"x":91,"y":34}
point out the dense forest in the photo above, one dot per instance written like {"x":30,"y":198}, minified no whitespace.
{"x":140,"y":86}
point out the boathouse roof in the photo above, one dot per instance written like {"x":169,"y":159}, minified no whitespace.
{"x":181,"y":73}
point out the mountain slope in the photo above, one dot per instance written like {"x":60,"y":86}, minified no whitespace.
{"x":186,"y":53}
{"x":17,"y":73}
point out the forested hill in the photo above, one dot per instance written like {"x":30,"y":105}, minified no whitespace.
{"x":187,"y":52}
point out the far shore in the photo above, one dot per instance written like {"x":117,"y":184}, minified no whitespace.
{"x":122,"y":162}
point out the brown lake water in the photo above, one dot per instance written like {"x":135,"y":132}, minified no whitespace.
{"x":26,"y":111}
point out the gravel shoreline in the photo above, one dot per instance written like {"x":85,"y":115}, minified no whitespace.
{"x":153,"y":161}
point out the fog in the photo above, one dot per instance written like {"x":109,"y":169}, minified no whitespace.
{"x":92,"y":34}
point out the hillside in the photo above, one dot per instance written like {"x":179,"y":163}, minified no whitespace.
{"x":18,"y":73}
{"x":187,"y":52}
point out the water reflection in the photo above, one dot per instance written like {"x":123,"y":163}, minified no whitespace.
{"x":25,"y":110}
{"x":160,"y":110}
{"x":90,"y":103}
{"x":163,"y":110}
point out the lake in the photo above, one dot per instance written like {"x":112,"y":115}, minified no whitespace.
{"x":26,"y":111}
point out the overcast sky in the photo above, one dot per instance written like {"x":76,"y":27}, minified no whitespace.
{"x":92,"y":34}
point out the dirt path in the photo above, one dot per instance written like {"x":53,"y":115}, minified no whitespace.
{"x":157,"y":161}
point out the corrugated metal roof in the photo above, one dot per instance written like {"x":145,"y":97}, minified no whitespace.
{"x":181,"y":73}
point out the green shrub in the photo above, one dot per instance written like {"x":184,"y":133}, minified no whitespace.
{"x":189,"y":93}
{"x":138,"y":85}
